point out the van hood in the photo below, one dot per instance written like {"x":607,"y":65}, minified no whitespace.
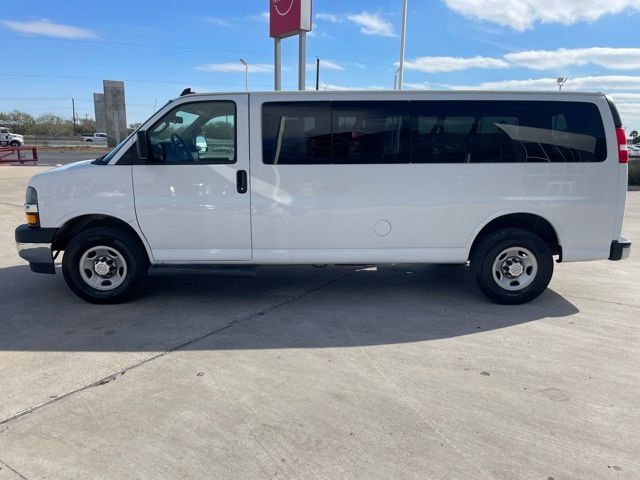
{"x":70,"y":167}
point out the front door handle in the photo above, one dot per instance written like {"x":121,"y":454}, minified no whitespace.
{"x":241,"y":181}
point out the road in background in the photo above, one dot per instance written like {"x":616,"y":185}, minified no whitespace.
{"x":53,"y":158}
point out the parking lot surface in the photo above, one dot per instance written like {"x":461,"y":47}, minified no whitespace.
{"x":338,"y":372}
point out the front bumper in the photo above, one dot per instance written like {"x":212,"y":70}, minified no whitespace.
{"x":620,"y":249}
{"x":34,"y":246}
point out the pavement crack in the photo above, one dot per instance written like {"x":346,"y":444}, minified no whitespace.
{"x":114,"y":376}
{"x":11,"y":205}
{"x":603,"y":301}
{"x":2,"y":462}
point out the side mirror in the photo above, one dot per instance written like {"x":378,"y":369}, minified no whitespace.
{"x":201,"y":144}
{"x":142,"y":144}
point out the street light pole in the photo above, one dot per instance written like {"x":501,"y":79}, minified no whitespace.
{"x":403,"y":38}
{"x":246,"y":75}
{"x":561,"y":81}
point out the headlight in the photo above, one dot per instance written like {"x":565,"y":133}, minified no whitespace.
{"x":31,"y":207}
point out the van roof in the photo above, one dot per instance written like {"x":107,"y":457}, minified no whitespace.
{"x":402,"y":92}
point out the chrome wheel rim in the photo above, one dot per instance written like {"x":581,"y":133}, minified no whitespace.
{"x":515,"y":268}
{"x":103,"y":268}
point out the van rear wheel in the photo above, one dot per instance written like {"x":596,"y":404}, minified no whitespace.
{"x":104,"y":265}
{"x":512,"y":266}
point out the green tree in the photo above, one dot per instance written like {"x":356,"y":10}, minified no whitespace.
{"x":45,"y":124}
{"x":86,"y":126}
{"x":132,"y":127}
{"x":21,"y":122}
{"x":219,"y":130}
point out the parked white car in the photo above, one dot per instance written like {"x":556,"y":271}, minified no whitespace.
{"x":634,"y":150}
{"x":504,"y":181}
{"x":9,"y":138}
{"x":97,"y":137}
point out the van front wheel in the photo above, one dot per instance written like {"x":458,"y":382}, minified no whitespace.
{"x":104,"y":265}
{"x":512,"y":266}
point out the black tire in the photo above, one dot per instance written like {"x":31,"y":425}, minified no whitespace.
{"x":14,"y":144}
{"x":495,"y":243}
{"x":128,"y":248}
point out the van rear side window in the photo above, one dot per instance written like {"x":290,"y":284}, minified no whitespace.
{"x":374,"y":132}
{"x":506,"y":132}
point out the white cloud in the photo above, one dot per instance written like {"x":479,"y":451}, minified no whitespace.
{"x":554,"y":60}
{"x":329,"y":17}
{"x":592,"y":83}
{"x":48,"y":28}
{"x":326,"y":65}
{"x":453,"y":64}
{"x":217,"y":21}
{"x":602,"y":83}
{"x":235,"y":67}
{"x":260,"y":17}
{"x":613,"y":58}
{"x":416,"y":86}
{"x":372,"y":24}
{"x":332,"y":86}
{"x":523,"y":14}
{"x":626,"y":97}
{"x":628,"y":105}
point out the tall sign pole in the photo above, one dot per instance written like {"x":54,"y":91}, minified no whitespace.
{"x":277,"y":63}
{"x":302,"y":59}
{"x":288,"y":18}
{"x":403,"y":41}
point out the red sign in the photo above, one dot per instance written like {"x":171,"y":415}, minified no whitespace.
{"x":289,"y":17}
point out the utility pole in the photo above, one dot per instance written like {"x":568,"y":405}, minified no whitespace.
{"x":403,"y":38}
{"x":317,"y":73}
{"x":73,"y":110}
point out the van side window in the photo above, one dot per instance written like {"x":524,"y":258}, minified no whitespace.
{"x":296,"y":133}
{"x":299,"y":133}
{"x":506,"y":131}
{"x":196,"y":133}
{"x":476,"y":131}
{"x":370,"y":132}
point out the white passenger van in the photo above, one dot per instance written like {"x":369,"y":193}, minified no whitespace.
{"x":504,"y":181}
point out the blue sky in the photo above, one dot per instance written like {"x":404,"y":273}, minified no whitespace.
{"x":58,"y":50}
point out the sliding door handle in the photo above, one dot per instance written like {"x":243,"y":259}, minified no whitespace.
{"x":241,"y":181}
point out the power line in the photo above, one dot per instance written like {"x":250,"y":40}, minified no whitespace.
{"x":184,"y":47}
{"x":140,"y":80}
{"x":140,"y":45}
{"x":60,"y":100}
{"x":44,"y":98}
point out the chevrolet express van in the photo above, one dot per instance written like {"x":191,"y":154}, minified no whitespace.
{"x":503,"y":181}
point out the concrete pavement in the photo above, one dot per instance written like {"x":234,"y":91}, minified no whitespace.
{"x":336,"y":372}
